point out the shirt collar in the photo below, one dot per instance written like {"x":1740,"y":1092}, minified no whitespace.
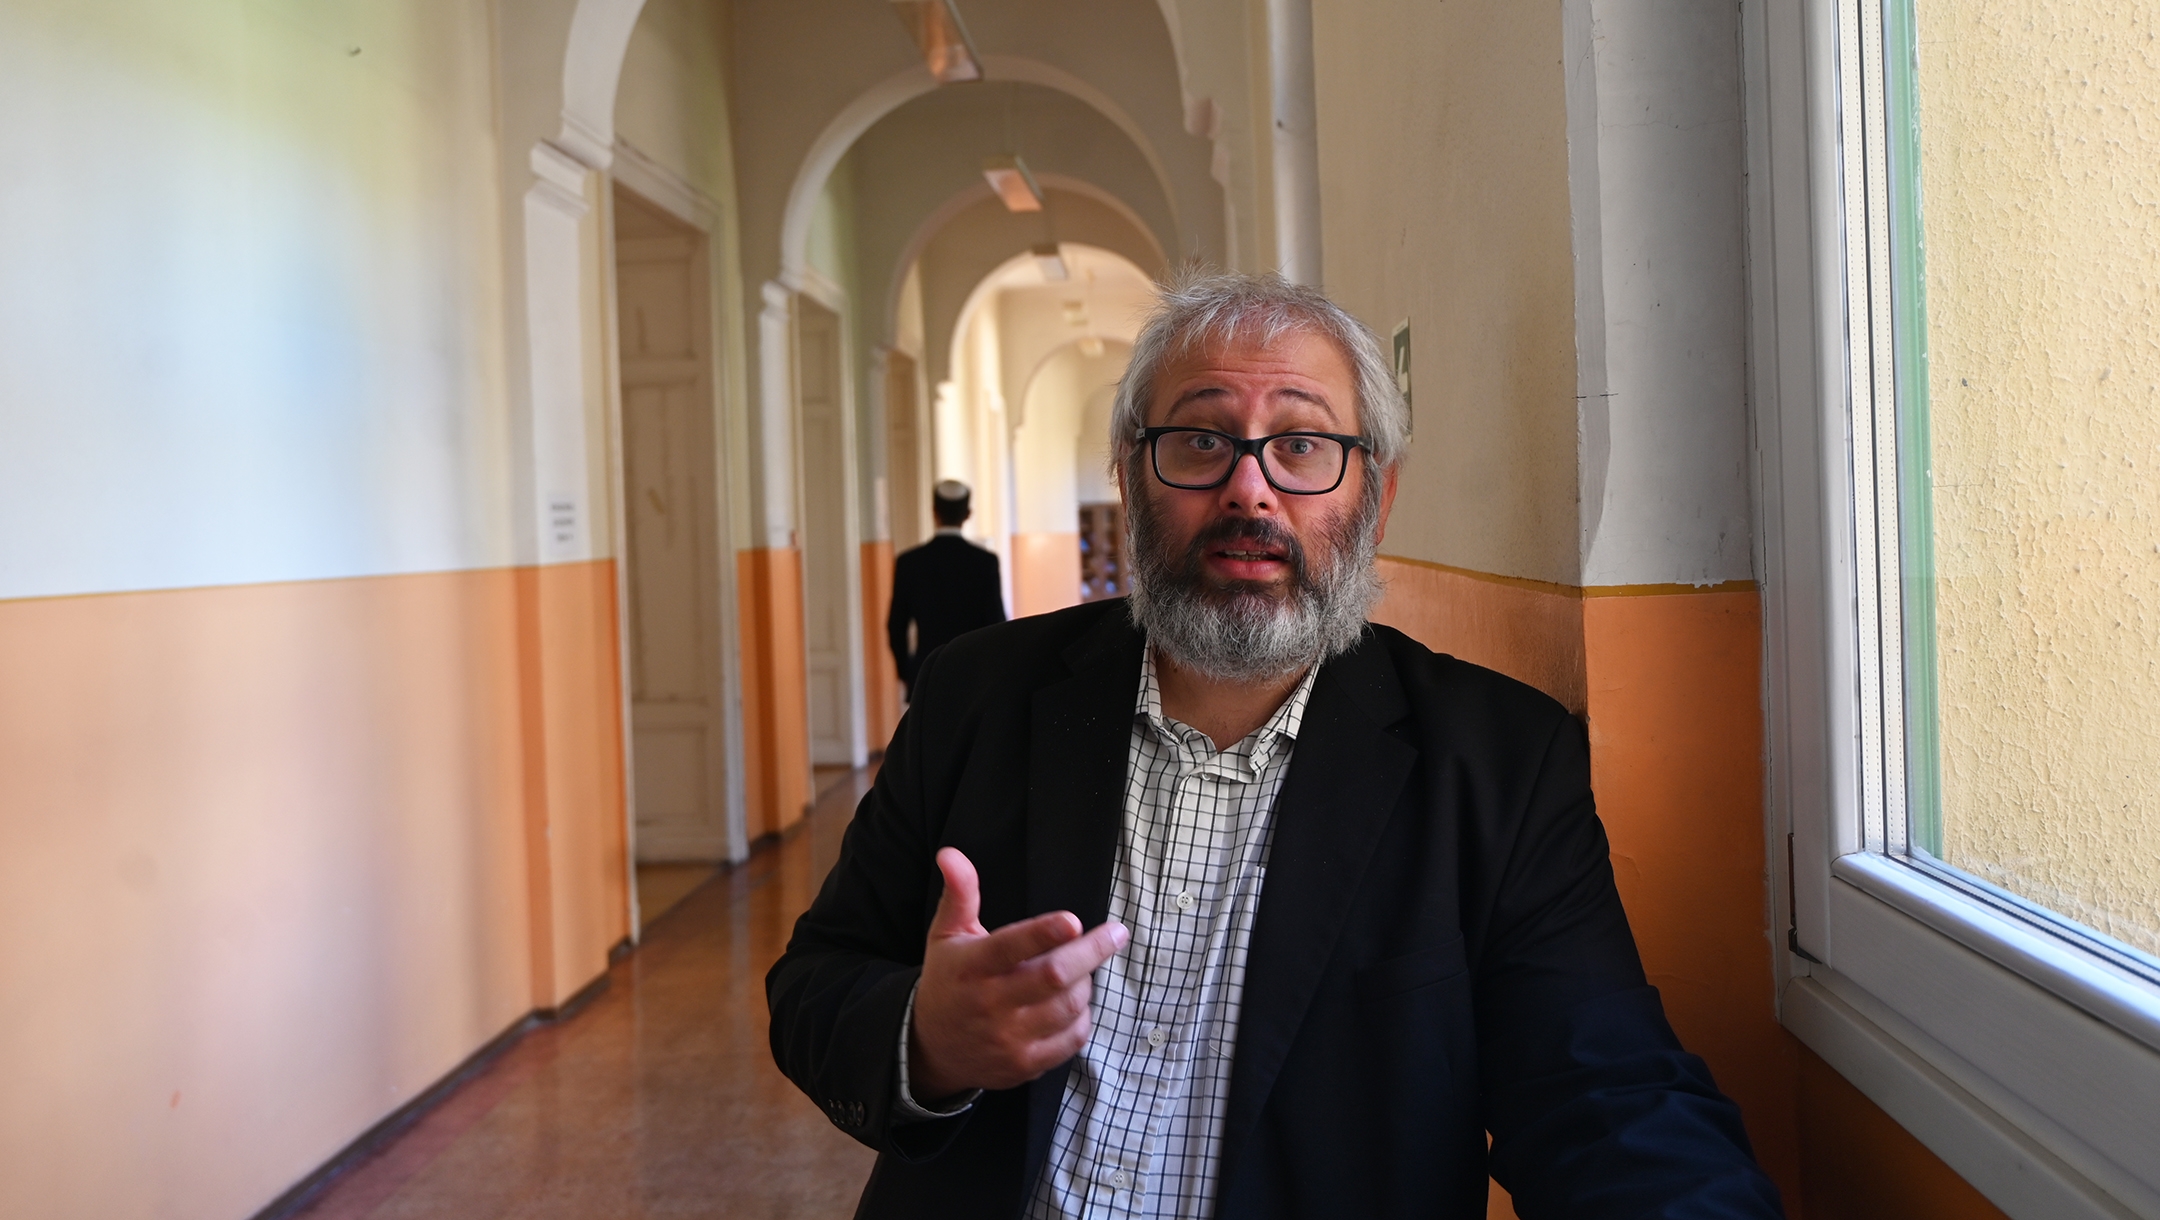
{"x":1255,"y":752}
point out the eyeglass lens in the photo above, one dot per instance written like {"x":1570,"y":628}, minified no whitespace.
{"x":1293,"y":463}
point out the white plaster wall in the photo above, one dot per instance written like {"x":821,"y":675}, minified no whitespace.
{"x":1655,"y":158}
{"x":1444,"y":200}
{"x":251,"y":303}
{"x":1092,"y":481}
{"x":1051,"y":450}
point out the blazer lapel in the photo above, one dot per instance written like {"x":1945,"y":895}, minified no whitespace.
{"x":1081,"y":733}
{"x":1345,"y":776}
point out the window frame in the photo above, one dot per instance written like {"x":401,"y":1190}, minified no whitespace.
{"x":2029,"y":1064}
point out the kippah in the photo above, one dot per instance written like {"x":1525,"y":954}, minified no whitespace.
{"x":950,"y":489}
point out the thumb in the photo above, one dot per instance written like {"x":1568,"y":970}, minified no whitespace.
{"x":959,"y":909}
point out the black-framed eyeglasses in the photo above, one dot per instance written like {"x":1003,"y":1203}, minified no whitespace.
{"x":1294,"y":463}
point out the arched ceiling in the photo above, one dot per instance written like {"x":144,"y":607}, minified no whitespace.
{"x":968,"y":252}
{"x":919,"y":170}
{"x":824,"y":57}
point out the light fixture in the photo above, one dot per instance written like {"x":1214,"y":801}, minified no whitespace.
{"x":1009,"y":177}
{"x":1051,"y":263}
{"x":946,"y":48}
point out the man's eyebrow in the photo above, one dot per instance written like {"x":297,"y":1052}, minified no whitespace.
{"x":1207,"y":392}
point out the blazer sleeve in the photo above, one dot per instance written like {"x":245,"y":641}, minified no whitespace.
{"x":1594,"y":1107}
{"x":839,"y":993}
{"x":994,"y":590}
{"x":897,"y":618}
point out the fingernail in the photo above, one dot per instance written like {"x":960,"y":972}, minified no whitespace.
{"x":1119,"y":935}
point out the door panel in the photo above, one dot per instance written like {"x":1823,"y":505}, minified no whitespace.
{"x":828,"y":554}
{"x":670,"y":502}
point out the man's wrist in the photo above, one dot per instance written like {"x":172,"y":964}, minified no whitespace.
{"x":909,"y":1107}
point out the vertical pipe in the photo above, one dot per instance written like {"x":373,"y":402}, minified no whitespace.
{"x":1297,"y":140}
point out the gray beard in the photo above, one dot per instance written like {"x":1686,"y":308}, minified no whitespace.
{"x":1245,"y":631}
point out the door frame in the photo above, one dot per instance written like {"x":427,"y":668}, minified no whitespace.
{"x":823,"y":292}
{"x":670,"y":193}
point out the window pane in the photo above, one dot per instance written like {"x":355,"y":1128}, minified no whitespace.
{"x":2035,"y":408}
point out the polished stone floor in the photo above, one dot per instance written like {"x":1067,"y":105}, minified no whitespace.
{"x":659,"y":1099}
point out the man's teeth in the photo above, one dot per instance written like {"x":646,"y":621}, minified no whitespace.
{"x":1247,"y":555}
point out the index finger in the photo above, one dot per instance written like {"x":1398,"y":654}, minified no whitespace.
{"x":1017,"y":942}
{"x":1069,"y":963}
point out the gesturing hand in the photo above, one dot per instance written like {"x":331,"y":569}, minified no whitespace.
{"x":995,"y":1010}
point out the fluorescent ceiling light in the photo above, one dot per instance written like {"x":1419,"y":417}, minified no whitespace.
{"x":1050,"y":261}
{"x":1009,"y":177}
{"x":944,"y":42}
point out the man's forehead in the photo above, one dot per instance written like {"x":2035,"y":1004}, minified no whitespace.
{"x":1304,"y":365}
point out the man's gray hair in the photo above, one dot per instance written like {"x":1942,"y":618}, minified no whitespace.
{"x":1204,"y":308}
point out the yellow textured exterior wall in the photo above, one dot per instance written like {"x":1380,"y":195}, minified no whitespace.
{"x":2040,"y":172}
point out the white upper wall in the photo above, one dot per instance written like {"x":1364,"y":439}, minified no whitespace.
{"x":250,"y":304}
{"x":1657,"y":171}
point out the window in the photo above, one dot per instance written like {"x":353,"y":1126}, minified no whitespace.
{"x":1956,"y":265}
{"x":2018,"y":520}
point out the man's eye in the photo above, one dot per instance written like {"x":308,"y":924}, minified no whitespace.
{"x":1299,"y":446}
{"x":1201,"y":442}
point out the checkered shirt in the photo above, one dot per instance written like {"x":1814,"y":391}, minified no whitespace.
{"x":1139,"y":1133}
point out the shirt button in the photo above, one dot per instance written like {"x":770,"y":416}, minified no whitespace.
{"x":1156,"y":1037}
{"x":1118,"y":1178}
{"x":1184,"y":900}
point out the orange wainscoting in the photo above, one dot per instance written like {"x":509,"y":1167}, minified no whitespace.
{"x":1858,"y":1164}
{"x":1046,"y":573}
{"x":1527,"y":629}
{"x":571,"y":708}
{"x":776,"y":688}
{"x":881,"y":676}
{"x":265,"y":854}
{"x":1676,"y":758}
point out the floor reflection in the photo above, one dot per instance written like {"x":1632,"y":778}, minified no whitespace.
{"x":660,"y":1099}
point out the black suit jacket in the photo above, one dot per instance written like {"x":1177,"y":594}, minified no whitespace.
{"x":1439,"y":950}
{"x":947,"y":587}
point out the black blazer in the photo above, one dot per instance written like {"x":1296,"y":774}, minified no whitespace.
{"x":1439,"y":950}
{"x":948,"y":586}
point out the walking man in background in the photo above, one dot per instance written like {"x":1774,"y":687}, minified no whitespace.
{"x":946,"y":587}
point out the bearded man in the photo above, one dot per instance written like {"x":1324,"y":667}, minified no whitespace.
{"x":1221,"y":901}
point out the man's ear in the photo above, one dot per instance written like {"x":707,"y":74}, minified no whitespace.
{"x":1387,"y":504}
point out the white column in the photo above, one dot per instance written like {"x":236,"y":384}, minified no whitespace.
{"x":555,"y":209}
{"x":1297,"y":140}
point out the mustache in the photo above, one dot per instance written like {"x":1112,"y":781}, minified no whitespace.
{"x":1247,"y":533}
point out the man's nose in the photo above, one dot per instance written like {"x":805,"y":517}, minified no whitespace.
{"x":1248,"y":488}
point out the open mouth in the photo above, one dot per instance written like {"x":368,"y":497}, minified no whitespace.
{"x":1250,"y":554}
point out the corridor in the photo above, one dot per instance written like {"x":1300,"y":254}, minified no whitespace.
{"x":459,"y":459}
{"x":657,"y":1099}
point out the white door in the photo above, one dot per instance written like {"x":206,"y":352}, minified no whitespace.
{"x":830,"y":563}
{"x":669,"y":497}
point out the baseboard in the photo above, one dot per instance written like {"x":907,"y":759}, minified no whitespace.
{"x":308,"y":1189}
{"x":398,"y":1121}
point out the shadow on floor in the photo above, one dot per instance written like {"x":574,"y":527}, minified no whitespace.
{"x":659,"y":1099}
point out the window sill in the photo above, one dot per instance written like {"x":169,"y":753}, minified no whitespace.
{"x":2118,"y":997}
{"x":1923,"y":969}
